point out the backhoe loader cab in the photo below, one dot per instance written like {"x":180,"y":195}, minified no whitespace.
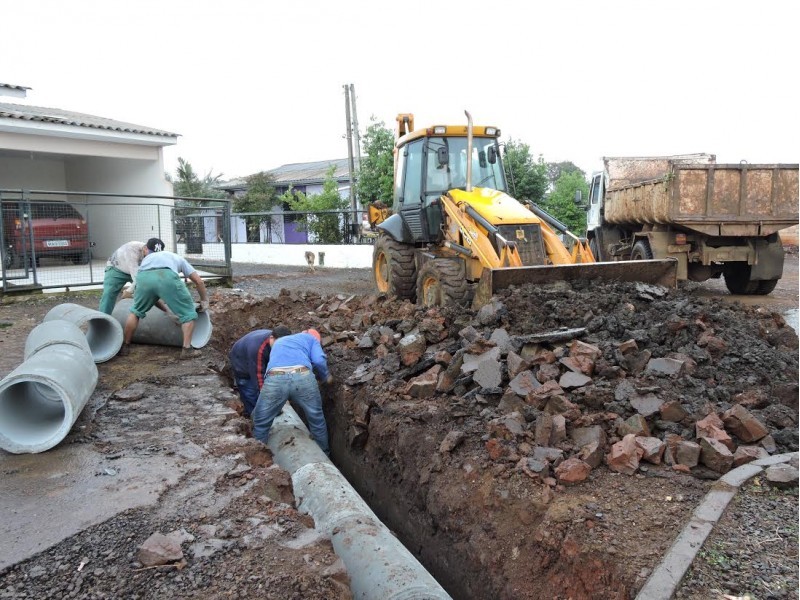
{"x":455,"y":234}
{"x":431,"y":162}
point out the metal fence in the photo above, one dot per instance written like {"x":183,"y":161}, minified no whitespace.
{"x":52,"y":239}
{"x":301,"y":227}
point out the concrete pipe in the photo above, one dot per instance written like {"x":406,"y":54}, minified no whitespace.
{"x":41,"y":399}
{"x":159,"y":330}
{"x":380,"y":567}
{"x":50,"y":333}
{"x":102,"y":331}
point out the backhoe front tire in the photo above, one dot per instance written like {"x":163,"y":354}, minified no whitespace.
{"x":442,"y":282}
{"x":394,"y":268}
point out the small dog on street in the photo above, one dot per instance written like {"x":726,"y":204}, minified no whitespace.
{"x":310,"y":260}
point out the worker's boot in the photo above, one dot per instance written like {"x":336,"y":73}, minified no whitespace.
{"x":125,"y":350}
{"x":187,"y":353}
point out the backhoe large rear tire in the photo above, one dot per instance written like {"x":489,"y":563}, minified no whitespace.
{"x":394,"y":268}
{"x":442,"y":282}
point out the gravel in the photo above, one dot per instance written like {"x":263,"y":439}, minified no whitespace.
{"x":752,"y":551}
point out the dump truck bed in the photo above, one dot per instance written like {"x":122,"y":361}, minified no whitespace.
{"x":714,"y":199}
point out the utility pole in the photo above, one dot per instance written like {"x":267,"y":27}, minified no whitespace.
{"x":350,"y":164}
{"x":356,"y":134}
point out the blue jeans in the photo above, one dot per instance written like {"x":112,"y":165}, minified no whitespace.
{"x":302,"y":388}
{"x":248,"y":392}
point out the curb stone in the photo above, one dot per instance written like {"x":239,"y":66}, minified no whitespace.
{"x":666,"y":577}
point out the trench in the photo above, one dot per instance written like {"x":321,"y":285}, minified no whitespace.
{"x":476,"y":540}
{"x":470,"y":553}
{"x":468,"y":557}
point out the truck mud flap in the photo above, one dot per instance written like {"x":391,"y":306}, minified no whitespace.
{"x":662,"y":272}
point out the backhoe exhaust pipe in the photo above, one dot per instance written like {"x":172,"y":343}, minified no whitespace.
{"x":469,"y":151}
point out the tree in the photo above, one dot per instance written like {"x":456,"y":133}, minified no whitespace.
{"x":326,"y":227}
{"x":526,"y":177}
{"x":555,"y":170}
{"x":188,"y":185}
{"x":189,"y":222}
{"x":561,"y":201}
{"x":376,"y":171}
{"x":260,"y":197}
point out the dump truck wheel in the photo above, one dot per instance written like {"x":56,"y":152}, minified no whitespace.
{"x":641,"y":251}
{"x":442,"y":282}
{"x":766,"y":286}
{"x":595,"y":250}
{"x":393,"y":268}
{"x":737,"y":280}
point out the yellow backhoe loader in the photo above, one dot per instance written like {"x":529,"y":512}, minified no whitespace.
{"x":456,"y":236}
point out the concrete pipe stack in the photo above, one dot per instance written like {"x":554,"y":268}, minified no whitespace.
{"x":42,"y":398}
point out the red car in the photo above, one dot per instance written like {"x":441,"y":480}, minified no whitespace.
{"x":58,"y":231}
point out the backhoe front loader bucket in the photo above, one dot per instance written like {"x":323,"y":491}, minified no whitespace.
{"x":662,"y":272}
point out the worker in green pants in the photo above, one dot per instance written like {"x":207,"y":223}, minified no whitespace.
{"x":122,"y":267}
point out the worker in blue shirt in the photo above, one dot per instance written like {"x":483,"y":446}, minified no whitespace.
{"x":249,"y":357}
{"x":293,"y":361}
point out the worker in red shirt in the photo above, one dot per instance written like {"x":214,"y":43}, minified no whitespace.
{"x":248,"y":358}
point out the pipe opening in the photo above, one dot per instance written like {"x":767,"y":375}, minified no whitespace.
{"x":32,"y":412}
{"x":102,"y":336}
{"x":103,"y":333}
{"x":202,"y":330}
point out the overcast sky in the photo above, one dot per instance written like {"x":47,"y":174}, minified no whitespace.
{"x":250,"y":86}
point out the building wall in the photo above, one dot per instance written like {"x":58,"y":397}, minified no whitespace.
{"x":35,"y":172}
{"x":114,"y":221}
{"x":68,"y":146}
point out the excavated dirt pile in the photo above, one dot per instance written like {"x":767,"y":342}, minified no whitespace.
{"x":553,"y":443}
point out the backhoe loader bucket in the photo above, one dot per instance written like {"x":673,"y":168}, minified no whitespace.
{"x":662,"y":272}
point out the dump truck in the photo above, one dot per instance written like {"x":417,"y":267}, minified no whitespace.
{"x":455,"y":235}
{"x":713,"y":219}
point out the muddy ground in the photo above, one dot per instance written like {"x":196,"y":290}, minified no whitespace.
{"x":162,"y":445}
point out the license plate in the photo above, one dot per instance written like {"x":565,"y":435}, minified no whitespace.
{"x":56,"y":243}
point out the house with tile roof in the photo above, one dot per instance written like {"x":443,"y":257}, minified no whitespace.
{"x":307,"y":178}
{"x":54,"y":150}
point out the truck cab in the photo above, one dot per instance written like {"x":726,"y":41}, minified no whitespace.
{"x":594,"y":211}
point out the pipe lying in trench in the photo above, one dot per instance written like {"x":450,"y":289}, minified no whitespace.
{"x":103,"y":333}
{"x":159,"y":330}
{"x":380,"y":567}
{"x":42,"y":398}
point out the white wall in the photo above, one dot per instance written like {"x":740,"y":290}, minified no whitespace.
{"x":353,"y":256}
{"x":34,"y":173}
{"x":118,"y":176}
{"x":114,"y":221}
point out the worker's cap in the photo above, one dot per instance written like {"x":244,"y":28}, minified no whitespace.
{"x":155,"y":245}
{"x":315,"y":334}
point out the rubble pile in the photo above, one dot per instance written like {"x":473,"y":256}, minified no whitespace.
{"x":564,"y":378}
